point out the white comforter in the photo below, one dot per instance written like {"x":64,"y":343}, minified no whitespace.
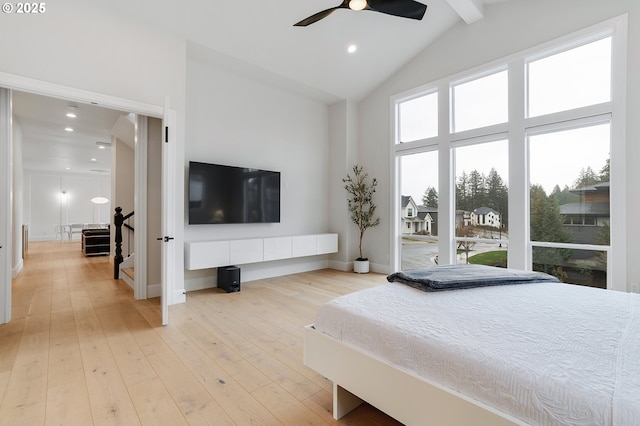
{"x":545,"y":353}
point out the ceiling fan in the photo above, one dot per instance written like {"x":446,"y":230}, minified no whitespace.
{"x":402,"y":8}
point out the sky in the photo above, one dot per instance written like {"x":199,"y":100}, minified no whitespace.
{"x":571,"y":79}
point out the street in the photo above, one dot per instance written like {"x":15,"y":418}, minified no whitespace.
{"x":420,"y":251}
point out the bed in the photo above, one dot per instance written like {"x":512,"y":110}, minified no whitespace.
{"x":536,"y":352}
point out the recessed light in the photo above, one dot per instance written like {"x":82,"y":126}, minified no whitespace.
{"x":67,"y":168}
{"x":352,"y":48}
{"x":103,"y":145}
{"x":71,"y":111}
{"x":68,"y":129}
{"x":93,"y":160}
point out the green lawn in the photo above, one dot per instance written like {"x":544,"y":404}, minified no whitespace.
{"x":491,"y":258}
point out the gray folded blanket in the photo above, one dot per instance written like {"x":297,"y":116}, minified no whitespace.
{"x":451,"y":277}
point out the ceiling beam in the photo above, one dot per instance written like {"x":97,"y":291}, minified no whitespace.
{"x":469,"y":10}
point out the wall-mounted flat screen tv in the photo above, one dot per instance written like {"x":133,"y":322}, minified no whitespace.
{"x":229,"y":194}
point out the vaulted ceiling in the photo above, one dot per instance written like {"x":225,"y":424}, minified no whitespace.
{"x":262,"y":34}
{"x":259,"y":35}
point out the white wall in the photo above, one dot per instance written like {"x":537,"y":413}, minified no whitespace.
{"x":122,"y":178}
{"x":46,"y":206}
{"x":233,"y":119}
{"x":506,"y":29}
{"x":343,"y":145}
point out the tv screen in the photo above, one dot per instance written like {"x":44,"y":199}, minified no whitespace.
{"x":229,"y":194}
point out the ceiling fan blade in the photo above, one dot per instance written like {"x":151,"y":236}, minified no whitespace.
{"x":402,"y":8}
{"x":318,"y":16}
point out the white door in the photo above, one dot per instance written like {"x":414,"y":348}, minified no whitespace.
{"x":169,"y":204}
{"x":5,"y":205}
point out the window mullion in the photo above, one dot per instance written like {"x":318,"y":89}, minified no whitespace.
{"x":446,"y":180}
{"x":519,"y":252}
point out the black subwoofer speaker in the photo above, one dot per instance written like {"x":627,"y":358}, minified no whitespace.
{"x":229,"y":278}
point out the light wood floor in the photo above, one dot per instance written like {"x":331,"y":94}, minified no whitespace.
{"x":81,"y":351}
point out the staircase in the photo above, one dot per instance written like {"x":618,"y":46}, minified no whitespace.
{"x":127,"y":272}
{"x":123,"y":268}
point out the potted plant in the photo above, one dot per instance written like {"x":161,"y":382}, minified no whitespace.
{"x":361,"y":208}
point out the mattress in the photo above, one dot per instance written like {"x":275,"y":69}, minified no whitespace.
{"x":544,"y":353}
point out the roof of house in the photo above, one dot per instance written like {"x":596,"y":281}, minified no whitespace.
{"x":484,"y":210}
{"x":600,"y":187}
{"x":427,"y":209}
{"x":593,"y":209}
{"x":425,"y":215}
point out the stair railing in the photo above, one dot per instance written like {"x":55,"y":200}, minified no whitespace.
{"x":119,"y":222}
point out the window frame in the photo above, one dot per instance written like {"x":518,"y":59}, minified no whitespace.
{"x":516,"y":130}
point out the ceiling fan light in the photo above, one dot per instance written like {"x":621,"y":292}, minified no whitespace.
{"x":357,"y":4}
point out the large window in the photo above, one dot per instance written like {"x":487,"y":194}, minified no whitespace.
{"x":561,"y":150}
{"x":481,"y":202}
{"x":419,"y":210}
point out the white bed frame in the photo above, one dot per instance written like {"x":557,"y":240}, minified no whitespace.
{"x":358,"y":376}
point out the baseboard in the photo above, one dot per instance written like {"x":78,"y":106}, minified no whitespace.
{"x":154,"y":290}
{"x":378,"y":268}
{"x":127,"y":279}
{"x":200,"y":283}
{"x":339,"y":265}
{"x":16,"y":270}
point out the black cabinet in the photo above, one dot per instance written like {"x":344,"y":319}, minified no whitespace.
{"x":96,"y":242}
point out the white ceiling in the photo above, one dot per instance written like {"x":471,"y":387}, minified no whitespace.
{"x":260,"y":36}
{"x":47,"y":146}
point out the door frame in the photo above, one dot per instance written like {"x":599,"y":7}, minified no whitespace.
{"x":24,"y":84}
{"x":140,"y":208}
{"x":6,"y":189}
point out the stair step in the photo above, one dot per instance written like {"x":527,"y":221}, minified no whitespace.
{"x":129,"y":272}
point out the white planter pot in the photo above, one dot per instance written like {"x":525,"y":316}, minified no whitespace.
{"x":361,"y":266}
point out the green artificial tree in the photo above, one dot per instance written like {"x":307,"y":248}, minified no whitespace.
{"x":360,"y":202}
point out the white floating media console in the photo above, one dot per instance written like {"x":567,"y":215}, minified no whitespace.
{"x":212,"y":254}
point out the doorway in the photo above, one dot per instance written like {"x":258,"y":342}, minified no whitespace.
{"x":80,"y":97}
